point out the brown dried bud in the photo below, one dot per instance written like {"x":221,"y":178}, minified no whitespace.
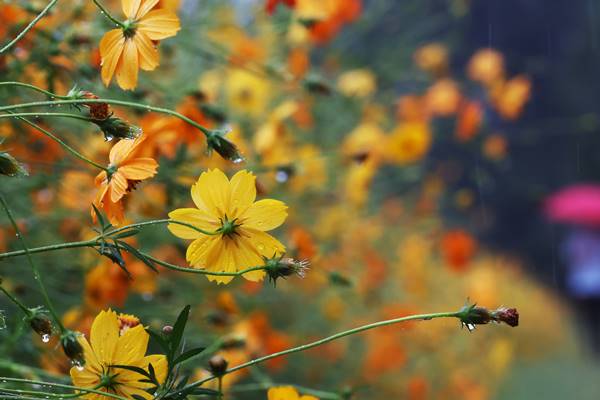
{"x":217,"y":365}
{"x":510,"y":316}
{"x":11,"y":167}
{"x":98,"y":111}
{"x":72,"y":348}
{"x":471,"y":315}
{"x":41,"y":324}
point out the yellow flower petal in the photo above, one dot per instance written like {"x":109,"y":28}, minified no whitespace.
{"x":246,"y":256}
{"x":148,"y":53}
{"x":130,"y":7}
{"x":131,"y":346}
{"x":139,"y":168}
{"x":159,"y":24}
{"x":145,"y":7}
{"x":127,"y":69}
{"x":118,"y":187}
{"x":211,"y":192}
{"x":265,"y":215}
{"x":111,"y":47}
{"x":198,"y":250}
{"x":192,"y":216}
{"x":243,"y":192}
{"x":263,"y":243}
{"x":282,"y":393}
{"x":104,"y":336}
{"x":220,"y":259}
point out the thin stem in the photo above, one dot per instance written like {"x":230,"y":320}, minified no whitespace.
{"x":220,"y":387}
{"x":16,"y":301}
{"x":200,"y":271}
{"x":37,"y":89}
{"x":36,"y":272}
{"x":28,"y":27}
{"x":62,"y":386}
{"x":424,"y":317}
{"x":160,"y":221}
{"x":161,"y":110}
{"x":46,"y":114}
{"x":57,"y":139}
{"x":43,"y":249}
{"x":107,"y":14}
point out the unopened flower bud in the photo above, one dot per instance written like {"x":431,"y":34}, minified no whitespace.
{"x":217,"y":365}
{"x":114,"y":127}
{"x":41,"y":324}
{"x":510,"y":316}
{"x":471,"y":315}
{"x":317,"y":85}
{"x":98,"y":111}
{"x":167,"y":329}
{"x":9,"y":166}
{"x":72,"y":348}
{"x":284,"y":267}
{"x":228,"y":150}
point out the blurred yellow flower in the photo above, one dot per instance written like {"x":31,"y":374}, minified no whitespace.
{"x":227,"y":207}
{"x":357,"y":83}
{"x":109,"y":345}
{"x":432,"y":58}
{"x":486,"y":66}
{"x":124,"y":50}
{"x":287,"y":393}
{"x":247,"y":93}
{"x":408,"y":143}
{"x":510,"y":97}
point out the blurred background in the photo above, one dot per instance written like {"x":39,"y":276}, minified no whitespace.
{"x":430,"y":152}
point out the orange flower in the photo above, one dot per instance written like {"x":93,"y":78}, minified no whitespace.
{"x":512,"y":96}
{"x":126,"y":49}
{"x":468,"y":121}
{"x":124,"y":172}
{"x":458,"y":247}
{"x":486,"y":66}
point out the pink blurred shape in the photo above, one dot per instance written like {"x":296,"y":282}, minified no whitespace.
{"x":577,"y":204}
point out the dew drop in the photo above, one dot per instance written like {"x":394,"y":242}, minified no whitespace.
{"x":45,"y":338}
{"x":237,"y":159}
{"x":261,"y":246}
{"x":281,"y":176}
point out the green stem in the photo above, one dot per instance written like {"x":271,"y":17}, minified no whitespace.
{"x":424,"y":317}
{"x":220,"y":387}
{"x":28,"y":27}
{"x":200,"y":271}
{"x":26,"y":370}
{"x":160,"y":221}
{"x":36,"y":272}
{"x":37,"y":89}
{"x":52,"y":247}
{"x":60,"y":385}
{"x":161,"y":110}
{"x":55,"y":138}
{"x":107,"y":14}
{"x":61,"y":115}
{"x":16,"y":301}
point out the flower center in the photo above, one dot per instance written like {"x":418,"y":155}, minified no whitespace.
{"x":107,"y":380}
{"x":129,"y":29}
{"x":110,"y":171}
{"x":228,"y":227}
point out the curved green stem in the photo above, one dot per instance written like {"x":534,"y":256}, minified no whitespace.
{"x":37,"y":89}
{"x":424,"y":317}
{"x":107,"y":14}
{"x":28,"y":27}
{"x":56,"y":139}
{"x":45,"y":114}
{"x":200,"y":271}
{"x":52,"y":247}
{"x":62,"y":386}
{"x":161,"y":110}
{"x":160,"y":221}
{"x":36,"y":272}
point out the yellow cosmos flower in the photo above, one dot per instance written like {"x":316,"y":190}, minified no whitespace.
{"x":287,"y":393}
{"x":229,"y":208}
{"x":113,"y":344}
{"x":133,"y":46}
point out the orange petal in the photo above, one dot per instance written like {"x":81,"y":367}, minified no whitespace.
{"x":122,"y":150}
{"x":118,"y":186}
{"x":127,"y":69}
{"x":159,"y":24}
{"x":130,"y":7}
{"x":139,"y":169}
{"x":148,"y":53}
{"x":111,"y":47}
{"x":145,"y":6}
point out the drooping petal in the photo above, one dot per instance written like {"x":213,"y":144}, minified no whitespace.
{"x":265,"y":215}
{"x":130,"y":7}
{"x":212,"y":192}
{"x":263,"y":243}
{"x":139,"y":168}
{"x":118,"y":187}
{"x":243,"y":192}
{"x":127,"y":69}
{"x":123,"y":149}
{"x":145,"y":6}
{"x":159,"y":24}
{"x":131,"y":346}
{"x":111,"y":48}
{"x":149,"y":56}
{"x":104,"y":336}
{"x":246,"y":256}
{"x":198,"y":250}
{"x":192,"y":216}
{"x":220,"y":259}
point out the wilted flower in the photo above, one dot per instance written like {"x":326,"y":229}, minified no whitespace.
{"x":217,"y":141}
{"x":279,"y":267}
{"x":115,"y":127}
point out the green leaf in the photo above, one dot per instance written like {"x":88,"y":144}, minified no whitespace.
{"x":137,"y":254}
{"x":126,"y":234}
{"x":188,"y":354}
{"x":162,"y":342}
{"x":178,"y":328}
